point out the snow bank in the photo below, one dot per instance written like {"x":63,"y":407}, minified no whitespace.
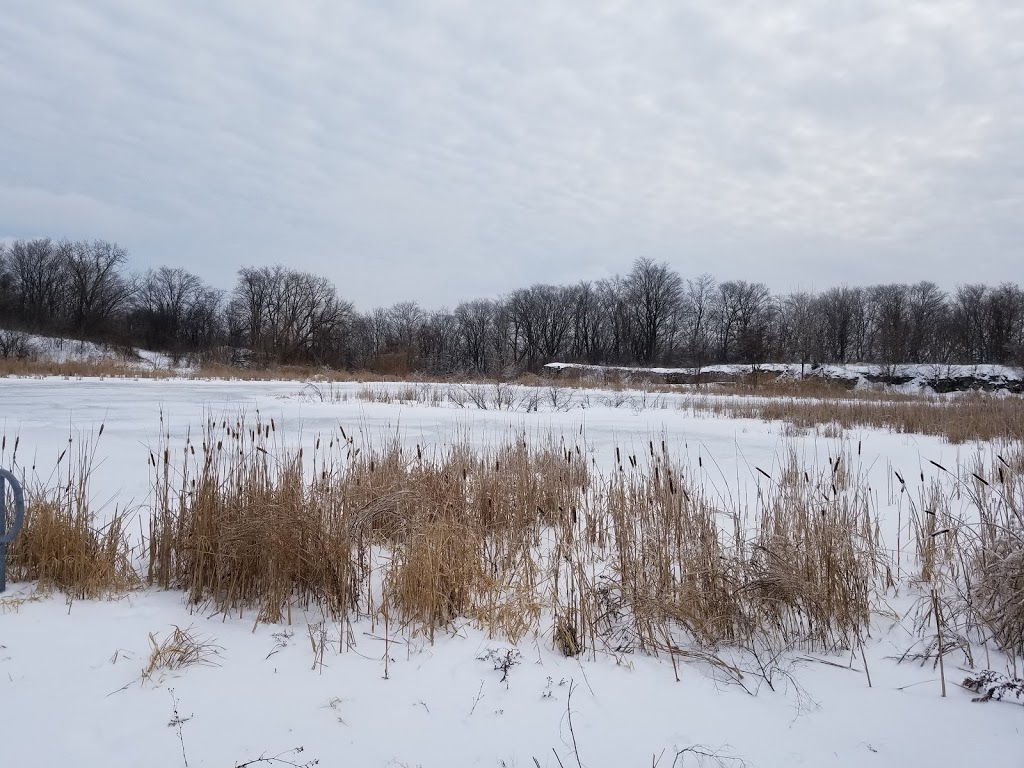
{"x":933,"y":377}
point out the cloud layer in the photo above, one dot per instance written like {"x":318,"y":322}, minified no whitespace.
{"x":435,"y":150}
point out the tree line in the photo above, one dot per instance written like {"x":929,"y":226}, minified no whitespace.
{"x":650,"y":316}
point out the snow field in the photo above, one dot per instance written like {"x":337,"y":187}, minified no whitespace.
{"x":444,"y":703}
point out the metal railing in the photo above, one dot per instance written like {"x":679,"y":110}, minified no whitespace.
{"x":6,"y":536}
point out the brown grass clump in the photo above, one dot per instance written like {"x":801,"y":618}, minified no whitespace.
{"x":64,"y":546}
{"x":182,"y":648}
{"x":1000,"y":583}
{"x":996,"y":564}
{"x":238,"y":525}
{"x":801,"y":568}
{"x":970,"y":562}
{"x":431,"y":577}
{"x":817,"y":559}
{"x":673,"y":563}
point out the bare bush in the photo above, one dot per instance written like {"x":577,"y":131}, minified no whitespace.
{"x":15,"y":345}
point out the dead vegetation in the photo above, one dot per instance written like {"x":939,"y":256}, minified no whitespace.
{"x":65,"y":544}
{"x":124,"y":366}
{"x":961,"y":419}
{"x":77,"y":369}
{"x":530,"y":538}
{"x":180,"y":649}
{"x":969,"y":537}
{"x":517,"y":539}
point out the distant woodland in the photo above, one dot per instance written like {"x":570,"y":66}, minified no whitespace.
{"x":653,"y":315}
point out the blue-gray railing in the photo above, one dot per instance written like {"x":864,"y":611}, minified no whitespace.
{"x":19,"y":517}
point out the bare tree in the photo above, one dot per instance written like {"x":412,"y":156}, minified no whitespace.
{"x":438,"y":343}
{"x":7,"y":303}
{"x":474,"y":322}
{"x":541,"y":320}
{"x":699,"y":309}
{"x":97,"y":291}
{"x":841,"y":315}
{"x":891,"y":322}
{"x":970,"y":322}
{"x":289,"y":317}
{"x":742,"y":319}
{"x":612,"y":296}
{"x":654,"y":294}
{"x":374,"y":333}
{"x":800,"y":318}
{"x":757,"y":322}
{"x":249,"y":308}
{"x":405,"y":321}
{"x":1006,"y":324}
{"x":172,"y":309}
{"x":590,"y":321}
{"x":38,"y":284}
{"x":928,"y":337}
{"x":203,"y":327}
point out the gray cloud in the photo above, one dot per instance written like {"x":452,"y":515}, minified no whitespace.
{"x":447,"y":149}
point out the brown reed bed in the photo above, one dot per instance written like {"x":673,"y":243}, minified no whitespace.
{"x":960,"y":419}
{"x":80,"y":369}
{"x":64,"y":544}
{"x":530,"y":538}
{"x":517,"y":539}
{"x":119,"y":368}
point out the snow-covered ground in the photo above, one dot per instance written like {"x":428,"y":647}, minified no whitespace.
{"x":70,"y":688}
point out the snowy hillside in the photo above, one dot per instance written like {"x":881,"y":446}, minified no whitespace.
{"x":27,"y":346}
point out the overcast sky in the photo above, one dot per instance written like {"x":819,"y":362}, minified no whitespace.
{"x":448,"y":149}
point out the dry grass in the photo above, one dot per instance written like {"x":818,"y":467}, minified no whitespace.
{"x":801,"y":567}
{"x":119,"y":368}
{"x":63,"y":545}
{"x":239,"y":527}
{"x":182,"y":648}
{"x":518,"y":539}
{"x":993,"y":574}
{"x":530,"y":538}
{"x":968,"y":534}
{"x":244,"y":522}
{"x":80,"y":369}
{"x":810,"y":387}
{"x":961,"y":419}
